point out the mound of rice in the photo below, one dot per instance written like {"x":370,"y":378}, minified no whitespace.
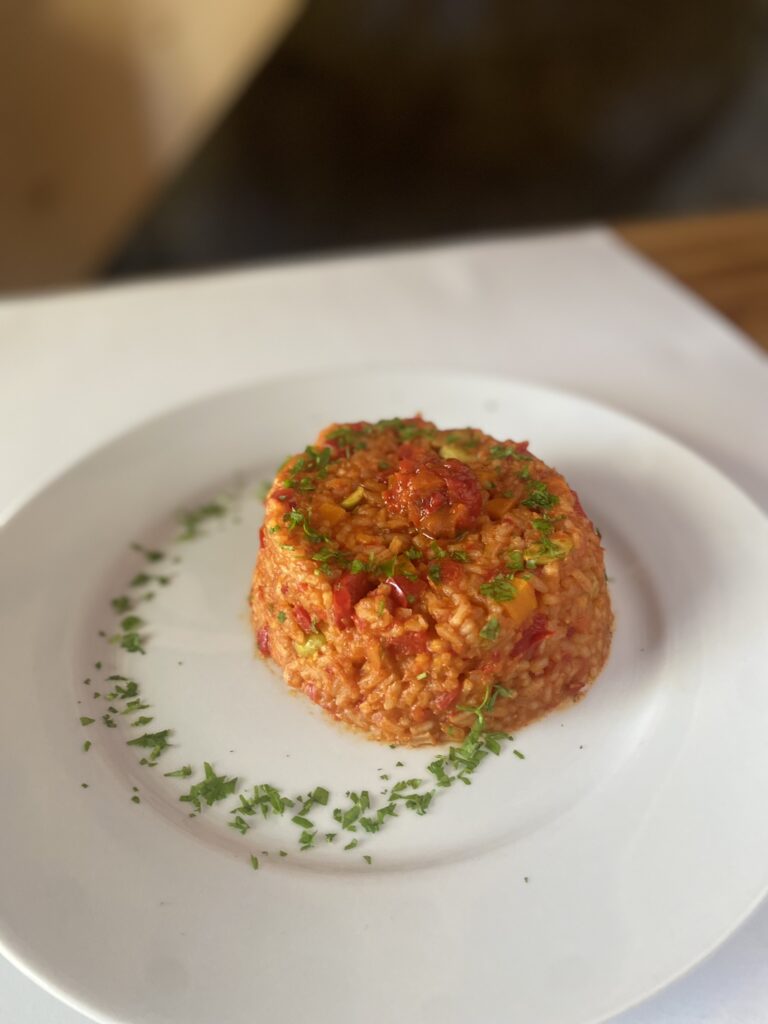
{"x":405,"y":570}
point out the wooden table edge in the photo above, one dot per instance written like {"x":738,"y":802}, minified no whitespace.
{"x":722,"y":257}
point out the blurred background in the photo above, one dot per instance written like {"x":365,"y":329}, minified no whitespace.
{"x":154,"y":136}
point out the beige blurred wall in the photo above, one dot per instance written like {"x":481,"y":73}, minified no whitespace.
{"x":101,"y":102}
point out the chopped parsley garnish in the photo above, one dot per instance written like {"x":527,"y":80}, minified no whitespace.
{"x":265,"y":798}
{"x":347,"y":818}
{"x":84,"y":720}
{"x":352,"y":844}
{"x":515,"y":561}
{"x":180,"y":773}
{"x":211,"y":790}
{"x":121,"y":604}
{"x":120,"y":692}
{"x":499,"y":589}
{"x":281,"y":617}
{"x":134,"y":705}
{"x":307,"y":840}
{"x":501,"y":451}
{"x":386,"y":568}
{"x":313,"y":460}
{"x":545,"y":526}
{"x":157,"y":742}
{"x":435,"y":572}
{"x":405,"y":431}
{"x":419,"y":802}
{"x":367,"y":858}
{"x":296,"y":518}
{"x":149,"y":554}
{"x":109,"y":721}
{"x":192,"y":521}
{"x":491,"y":630}
{"x":327,"y":555}
{"x":360,"y":802}
{"x":540,"y":497}
{"x":87,"y":746}
{"x":461,"y":761}
{"x":546,"y":550}
{"x":410,"y":431}
{"x":131,"y":623}
{"x":130,"y":642}
{"x":348,"y":440}
{"x":254,"y":862}
{"x":458,"y":556}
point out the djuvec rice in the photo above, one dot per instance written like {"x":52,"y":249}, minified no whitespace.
{"x":405,"y":570}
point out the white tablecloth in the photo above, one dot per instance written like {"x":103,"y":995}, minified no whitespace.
{"x":576,"y":310}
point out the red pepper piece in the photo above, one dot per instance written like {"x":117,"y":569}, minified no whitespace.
{"x":450,"y":571}
{"x":409,"y":643}
{"x":446,"y":700}
{"x":302,"y":617}
{"x":338,"y":445}
{"x":405,"y":591}
{"x":347,"y":591}
{"x":535,"y":631}
{"x":440,"y":496}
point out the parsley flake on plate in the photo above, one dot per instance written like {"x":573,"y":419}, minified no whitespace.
{"x":211,"y":790}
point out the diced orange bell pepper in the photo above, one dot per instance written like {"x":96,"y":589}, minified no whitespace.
{"x":497,"y":508}
{"x":523,"y":605}
{"x":329,"y":513}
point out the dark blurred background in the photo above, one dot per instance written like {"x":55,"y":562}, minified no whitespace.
{"x":145,"y":136}
{"x":380,"y":122}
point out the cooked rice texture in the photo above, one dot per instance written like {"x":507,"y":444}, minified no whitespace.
{"x":405,"y":570}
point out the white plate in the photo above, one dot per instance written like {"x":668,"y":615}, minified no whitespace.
{"x":635,"y":817}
